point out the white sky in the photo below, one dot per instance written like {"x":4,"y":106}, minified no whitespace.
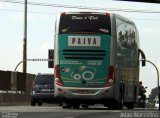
{"x":41,"y":20}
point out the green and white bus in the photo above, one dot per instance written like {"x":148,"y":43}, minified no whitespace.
{"x":96,"y":60}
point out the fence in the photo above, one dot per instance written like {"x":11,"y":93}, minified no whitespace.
{"x":15,"y":87}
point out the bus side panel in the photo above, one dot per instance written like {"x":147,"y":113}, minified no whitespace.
{"x":127,"y":55}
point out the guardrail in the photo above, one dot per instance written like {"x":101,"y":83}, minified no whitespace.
{"x":15,"y":87}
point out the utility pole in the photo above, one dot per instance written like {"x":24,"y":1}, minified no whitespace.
{"x":157,"y":79}
{"x":25,"y":38}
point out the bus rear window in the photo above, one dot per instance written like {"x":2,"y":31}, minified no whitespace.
{"x":85,"y":23}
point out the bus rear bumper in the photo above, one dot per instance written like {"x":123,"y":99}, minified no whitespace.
{"x":70,"y":93}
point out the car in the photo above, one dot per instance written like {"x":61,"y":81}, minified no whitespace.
{"x":156,"y":106}
{"x":42,"y":89}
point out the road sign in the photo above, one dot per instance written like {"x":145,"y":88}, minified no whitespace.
{"x":50,"y":57}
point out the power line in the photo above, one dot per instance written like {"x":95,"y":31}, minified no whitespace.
{"x":81,"y":7}
{"x":36,"y":12}
{"x":146,"y":1}
{"x":158,"y":20}
{"x":46,"y":4}
{"x":47,"y":13}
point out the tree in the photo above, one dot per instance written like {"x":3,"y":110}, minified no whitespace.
{"x":153,"y":94}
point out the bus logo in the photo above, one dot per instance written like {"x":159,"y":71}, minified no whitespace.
{"x":92,"y":41}
{"x":83,"y":72}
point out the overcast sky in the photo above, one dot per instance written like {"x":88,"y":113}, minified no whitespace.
{"x":41,"y":23}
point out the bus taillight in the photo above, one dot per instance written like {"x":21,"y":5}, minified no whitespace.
{"x":110,"y":76}
{"x":58,"y":80}
{"x":62,"y":14}
{"x":33,"y":87}
{"x":107,"y":14}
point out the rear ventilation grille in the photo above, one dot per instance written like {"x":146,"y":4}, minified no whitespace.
{"x":84,"y":54}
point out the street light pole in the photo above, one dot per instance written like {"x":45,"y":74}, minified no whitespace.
{"x":32,"y":60}
{"x":25,"y":38}
{"x":157,"y":79}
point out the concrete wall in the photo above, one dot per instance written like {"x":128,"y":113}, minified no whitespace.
{"x":15,"y":87}
{"x":14,"y":99}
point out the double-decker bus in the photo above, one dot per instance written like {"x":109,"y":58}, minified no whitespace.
{"x":96,"y":60}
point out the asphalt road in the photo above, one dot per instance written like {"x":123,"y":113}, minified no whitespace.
{"x":58,"y":112}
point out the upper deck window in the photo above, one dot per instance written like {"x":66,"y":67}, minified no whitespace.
{"x":84,"y":23}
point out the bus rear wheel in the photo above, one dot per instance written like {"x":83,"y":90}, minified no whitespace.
{"x":85,"y":106}
{"x":115,"y":105}
{"x":76,"y":106}
{"x":129,"y":105}
{"x":66,"y":105}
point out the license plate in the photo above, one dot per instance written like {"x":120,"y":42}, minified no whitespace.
{"x":46,"y":90}
{"x":84,"y":91}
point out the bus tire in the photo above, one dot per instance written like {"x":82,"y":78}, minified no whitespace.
{"x":130,"y":105}
{"x":120,"y":106}
{"x":76,"y":106}
{"x":114,"y":105}
{"x":122,"y":88}
{"x":66,"y":105}
{"x":33,"y":102}
{"x":85,"y":106}
{"x":40,"y":103}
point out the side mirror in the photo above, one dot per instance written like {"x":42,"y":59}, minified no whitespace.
{"x":142,"y":56}
{"x":143,"y":62}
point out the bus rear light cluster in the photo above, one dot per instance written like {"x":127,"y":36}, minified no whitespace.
{"x":61,"y":91}
{"x":58,"y":80}
{"x":110,"y":79}
{"x":63,"y":13}
{"x":33,"y":87}
{"x":107,"y":14}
